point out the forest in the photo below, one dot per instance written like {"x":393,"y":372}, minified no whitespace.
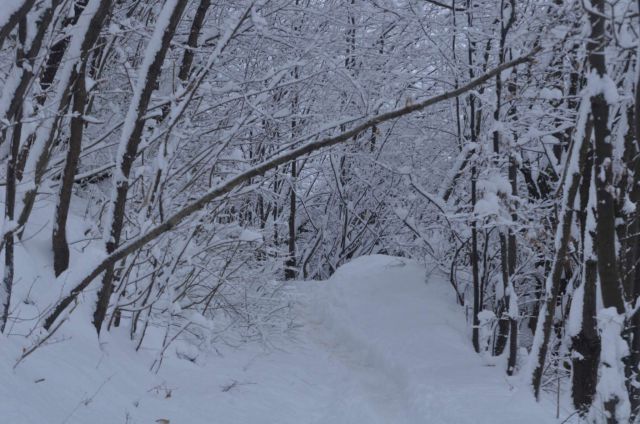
{"x":185,"y":182}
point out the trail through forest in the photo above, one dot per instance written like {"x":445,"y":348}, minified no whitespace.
{"x":375,"y":343}
{"x":403,"y":340}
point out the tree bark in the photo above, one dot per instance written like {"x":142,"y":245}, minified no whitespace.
{"x":192,"y":42}
{"x":59,"y":237}
{"x":10,"y":196}
{"x":586,"y":344}
{"x":605,"y":224}
{"x":131,"y":137}
{"x":605,"y":238}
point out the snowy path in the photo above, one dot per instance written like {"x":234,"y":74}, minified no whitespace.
{"x":377,"y":346}
{"x":404,"y":344}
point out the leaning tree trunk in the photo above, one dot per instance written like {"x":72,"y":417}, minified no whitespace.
{"x":10,"y":196}
{"x":80,"y":45}
{"x":130,"y":140}
{"x":48,"y":74}
{"x":258,"y":170}
{"x":59,"y":237}
{"x":192,"y":42}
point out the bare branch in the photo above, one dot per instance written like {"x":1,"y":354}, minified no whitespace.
{"x":259,"y":170}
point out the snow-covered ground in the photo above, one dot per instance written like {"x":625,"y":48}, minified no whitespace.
{"x":377,"y":344}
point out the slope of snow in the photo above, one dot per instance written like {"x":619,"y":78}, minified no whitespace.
{"x":376,"y":345}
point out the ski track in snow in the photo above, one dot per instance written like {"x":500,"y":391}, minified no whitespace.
{"x":377,"y":345}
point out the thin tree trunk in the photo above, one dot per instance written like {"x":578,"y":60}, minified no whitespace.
{"x":59,"y":237}
{"x":635,"y":229}
{"x":192,"y":42}
{"x":25,"y":73}
{"x":10,"y":196}
{"x":81,"y":43}
{"x":131,"y":137}
{"x":475,"y":334}
{"x":504,"y":323}
{"x":49,"y":72}
{"x":512,"y":262}
{"x":577,"y":159}
{"x":290,"y":271}
{"x":512,"y":247}
{"x":9,"y":209}
{"x":475,"y":272}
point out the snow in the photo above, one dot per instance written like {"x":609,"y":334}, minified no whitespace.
{"x":550,"y":94}
{"x":612,"y":375}
{"x":629,"y":207}
{"x":597,"y":84}
{"x":378,"y":343}
{"x":9,"y":8}
{"x":575,"y":313}
{"x":486,"y":319}
{"x":492,"y":187}
{"x":258,"y":20}
{"x":488,"y":205}
{"x":250,"y":235}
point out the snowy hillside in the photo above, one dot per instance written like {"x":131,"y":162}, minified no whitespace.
{"x":376,"y":344}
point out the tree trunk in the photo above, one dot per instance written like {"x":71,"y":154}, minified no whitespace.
{"x":10,"y":195}
{"x":130,"y":139}
{"x":605,"y":238}
{"x":17,"y":15}
{"x":474,"y":266}
{"x":577,"y":159}
{"x":59,"y":237}
{"x":82,"y":42}
{"x":290,"y":265}
{"x":192,"y":42}
{"x":586,"y":344}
